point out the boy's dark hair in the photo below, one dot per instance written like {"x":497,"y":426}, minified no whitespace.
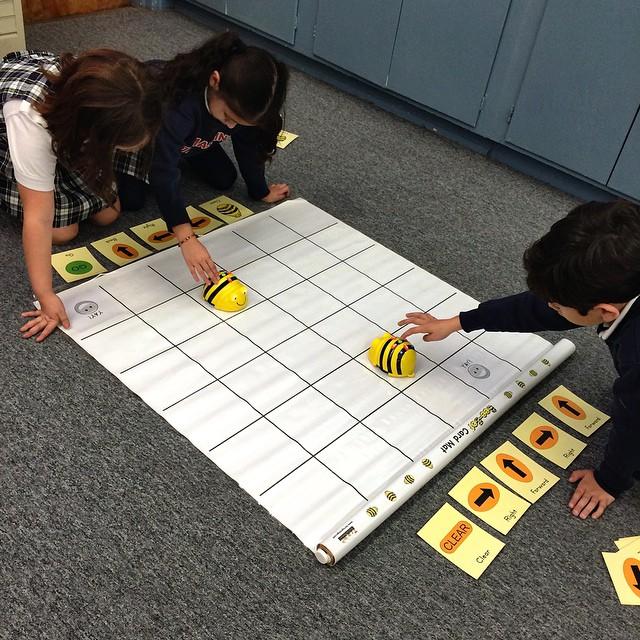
{"x":100,"y":100}
{"x":252,"y":82}
{"x":589,"y":257}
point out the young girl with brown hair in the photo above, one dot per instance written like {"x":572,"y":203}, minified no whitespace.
{"x":64,"y":123}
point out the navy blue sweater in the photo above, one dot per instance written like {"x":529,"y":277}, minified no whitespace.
{"x":190,"y":129}
{"x":526,"y":312}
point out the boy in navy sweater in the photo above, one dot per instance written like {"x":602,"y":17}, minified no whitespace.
{"x":584,"y":272}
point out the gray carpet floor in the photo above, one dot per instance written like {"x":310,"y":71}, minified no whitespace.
{"x":112,"y":525}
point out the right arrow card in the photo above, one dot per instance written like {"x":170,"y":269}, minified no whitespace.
{"x":550,"y":442}
{"x":573,"y":411}
{"x":519,"y":472}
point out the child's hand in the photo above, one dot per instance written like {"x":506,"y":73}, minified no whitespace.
{"x":199,"y":262}
{"x":433,"y":328}
{"x":589,"y":498}
{"x":277,"y":192}
{"x":45,"y":319}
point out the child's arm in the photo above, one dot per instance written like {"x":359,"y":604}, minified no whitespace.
{"x":432,"y":328}
{"x":36,"y":238}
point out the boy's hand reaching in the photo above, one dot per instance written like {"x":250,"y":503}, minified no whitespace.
{"x":277,"y":192}
{"x":589,"y":498}
{"x":45,"y":319}
{"x":433,"y":328}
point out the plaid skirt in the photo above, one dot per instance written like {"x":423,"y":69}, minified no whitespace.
{"x":74,"y":200}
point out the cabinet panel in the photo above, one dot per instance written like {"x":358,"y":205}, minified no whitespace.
{"x":358,"y":35}
{"x":444,"y":53}
{"x":276,"y":17}
{"x":218,"y":5}
{"x":626,"y":175}
{"x":581,"y":89}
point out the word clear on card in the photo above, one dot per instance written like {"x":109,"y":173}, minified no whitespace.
{"x":491,"y":502}
{"x":465,"y":544}
{"x":76,"y":264}
{"x":549,"y":441}
{"x":519,"y":472}
{"x":573,"y":411}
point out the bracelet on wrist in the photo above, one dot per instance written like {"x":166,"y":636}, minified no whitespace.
{"x":185,"y":239}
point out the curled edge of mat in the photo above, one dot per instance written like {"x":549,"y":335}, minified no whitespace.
{"x":363,"y":520}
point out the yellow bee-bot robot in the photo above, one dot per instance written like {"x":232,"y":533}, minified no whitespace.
{"x":228,"y":294}
{"x":394,"y":356}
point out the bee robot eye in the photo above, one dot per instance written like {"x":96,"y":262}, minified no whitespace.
{"x":394,"y":356}
{"x":228,"y":294}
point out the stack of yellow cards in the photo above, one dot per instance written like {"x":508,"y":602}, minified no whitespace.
{"x":624,"y":569}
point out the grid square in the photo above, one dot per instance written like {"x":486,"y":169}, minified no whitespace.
{"x":423,"y":366}
{"x":380,"y":264}
{"x":166,"y":379}
{"x":342,"y":241}
{"x":422,"y":289}
{"x":264,"y":383}
{"x":268,"y":234}
{"x":442,"y":394}
{"x":518,"y":348}
{"x":180,"y":318}
{"x":258,"y":457}
{"x":480,"y":369}
{"x":407,"y":425}
{"x":311,"y":419}
{"x":384,"y":308}
{"x":305,"y":258}
{"x":210,"y":416}
{"x":92,"y":310}
{"x":439,"y":350}
{"x":268,"y":276}
{"x":172,"y":266}
{"x":363,"y":459}
{"x":309,"y":355}
{"x":307,"y":303}
{"x":266,"y":325}
{"x":349,"y":331}
{"x":139,"y":288}
{"x":310,"y":500}
{"x":220,"y":350}
{"x":345,"y":283}
{"x":356,"y":389}
{"x":302,"y":216}
{"x":125,"y":345}
{"x":229,"y":251}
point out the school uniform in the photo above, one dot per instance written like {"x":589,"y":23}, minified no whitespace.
{"x":526,"y":312}
{"x":26,"y":153}
{"x":191,"y":135}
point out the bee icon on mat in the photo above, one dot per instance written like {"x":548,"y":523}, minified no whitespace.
{"x":228,"y":294}
{"x":394,"y":356}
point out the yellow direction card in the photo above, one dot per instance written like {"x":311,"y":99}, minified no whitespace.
{"x":226,"y":209}
{"x":621,"y":543}
{"x":120,"y":248}
{"x":285,"y":138}
{"x":465,"y":544}
{"x":573,"y":411}
{"x":519,"y":472}
{"x":76,"y":264}
{"x":491,"y":502}
{"x":550,"y":442}
{"x":201,"y":223}
{"x":624,"y":569}
{"x":155,"y":234}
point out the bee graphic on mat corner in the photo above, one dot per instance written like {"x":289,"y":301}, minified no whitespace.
{"x":394,"y":356}
{"x":228,"y":294}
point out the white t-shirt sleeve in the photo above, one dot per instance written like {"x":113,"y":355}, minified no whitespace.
{"x":33,"y":159}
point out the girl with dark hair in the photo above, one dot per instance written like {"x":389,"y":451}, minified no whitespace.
{"x":63,"y":118}
{"x":222,"y":89}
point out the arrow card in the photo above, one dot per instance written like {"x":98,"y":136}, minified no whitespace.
{"x":460,"y":541}
{"x":550,"y":442}
{"x":201,"y":223}
{"x":491,"y":502}
{"x":624,"y":569}
{"x":519,"y":472}
{"x":573,"y":411}
{"x":155,"y":234}
{"x":120,"y":248}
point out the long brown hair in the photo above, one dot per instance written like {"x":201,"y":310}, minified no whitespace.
{"x":100,"y":100}
{"x":252,"y":82}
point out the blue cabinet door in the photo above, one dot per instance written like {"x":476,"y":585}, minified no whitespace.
{"x":444,"y":53}
{"x":581,"y":89}
{"x":278,"y":18}
{"x":218,"y":5}
{"x":357,"y":35}
{"x":626,"y":175}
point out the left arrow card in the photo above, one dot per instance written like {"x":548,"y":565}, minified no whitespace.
{"x":76,"y":264}
{"x":155,"y":234}
{"x":120,"y":248}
